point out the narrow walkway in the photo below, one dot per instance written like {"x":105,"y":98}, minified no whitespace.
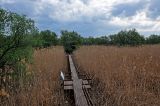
{"x":80,"y":99}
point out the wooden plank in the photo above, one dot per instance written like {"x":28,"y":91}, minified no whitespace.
{"x":80,"y":99}
{"x":85,"y":82}
{"x":68,"y":87}
{"x":73,"y":69}
{"x":79,"y":94}
{"x":68,"y":82}
{"x":86,"y":86}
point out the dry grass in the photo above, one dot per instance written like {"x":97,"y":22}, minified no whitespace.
{"x":42,"y":86}
{"x":126,"y":76}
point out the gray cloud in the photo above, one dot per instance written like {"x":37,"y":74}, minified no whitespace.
{"x":154,"y":9}
{"x":126,"y":10}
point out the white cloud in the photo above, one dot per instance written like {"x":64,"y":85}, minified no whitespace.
{"x":140,"y":21}
{"x":77,"y":10}
{"x":98,"y":13}
{"x":155,"y":28}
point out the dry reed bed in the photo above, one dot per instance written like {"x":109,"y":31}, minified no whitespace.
{"x":122,"y":76}
{"x":44,"y":88}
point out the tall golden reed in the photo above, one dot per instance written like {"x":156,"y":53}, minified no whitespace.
{"x":123,"y":76}
{"x":43,"y":87}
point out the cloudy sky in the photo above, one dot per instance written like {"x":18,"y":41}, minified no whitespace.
{"x":90,"y":17}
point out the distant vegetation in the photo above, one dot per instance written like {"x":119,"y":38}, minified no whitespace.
{"x":70,"y":41}
{"x":122,"y":38}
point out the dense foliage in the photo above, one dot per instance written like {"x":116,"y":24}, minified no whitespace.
{"x":44,"y":39}
{"x":18,"y":37}
{"x":131,"y":37}
{"x":122,"y":38}
{"x":70,"y":41}
{"x":153,"y":39}
{"x":15,"y":45}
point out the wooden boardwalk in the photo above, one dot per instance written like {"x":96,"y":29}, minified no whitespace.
{"x":80,"y":99}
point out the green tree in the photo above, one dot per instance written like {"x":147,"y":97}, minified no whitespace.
{"x":134,"y":38}
{"x":15,"y":45}
{"x":104,"y":40}
{"x":112,"y":39}
{"x":153,"y":39}
{"x":70,"y":40}
{"x":131,"y":37}
{"x":88,"y":41}
{"x":49,"y":38}
{"x":37,"y":40}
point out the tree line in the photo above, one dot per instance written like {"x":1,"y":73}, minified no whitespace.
{"x":122,"y":38}
{"x":19,"y":36}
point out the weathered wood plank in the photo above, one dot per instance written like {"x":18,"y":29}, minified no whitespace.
{"x":68,"y":82}
{"x":68,"y":87}
{"x":80,"y":99}
{"x":85,"y":82}
{"x":86,"y":86}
